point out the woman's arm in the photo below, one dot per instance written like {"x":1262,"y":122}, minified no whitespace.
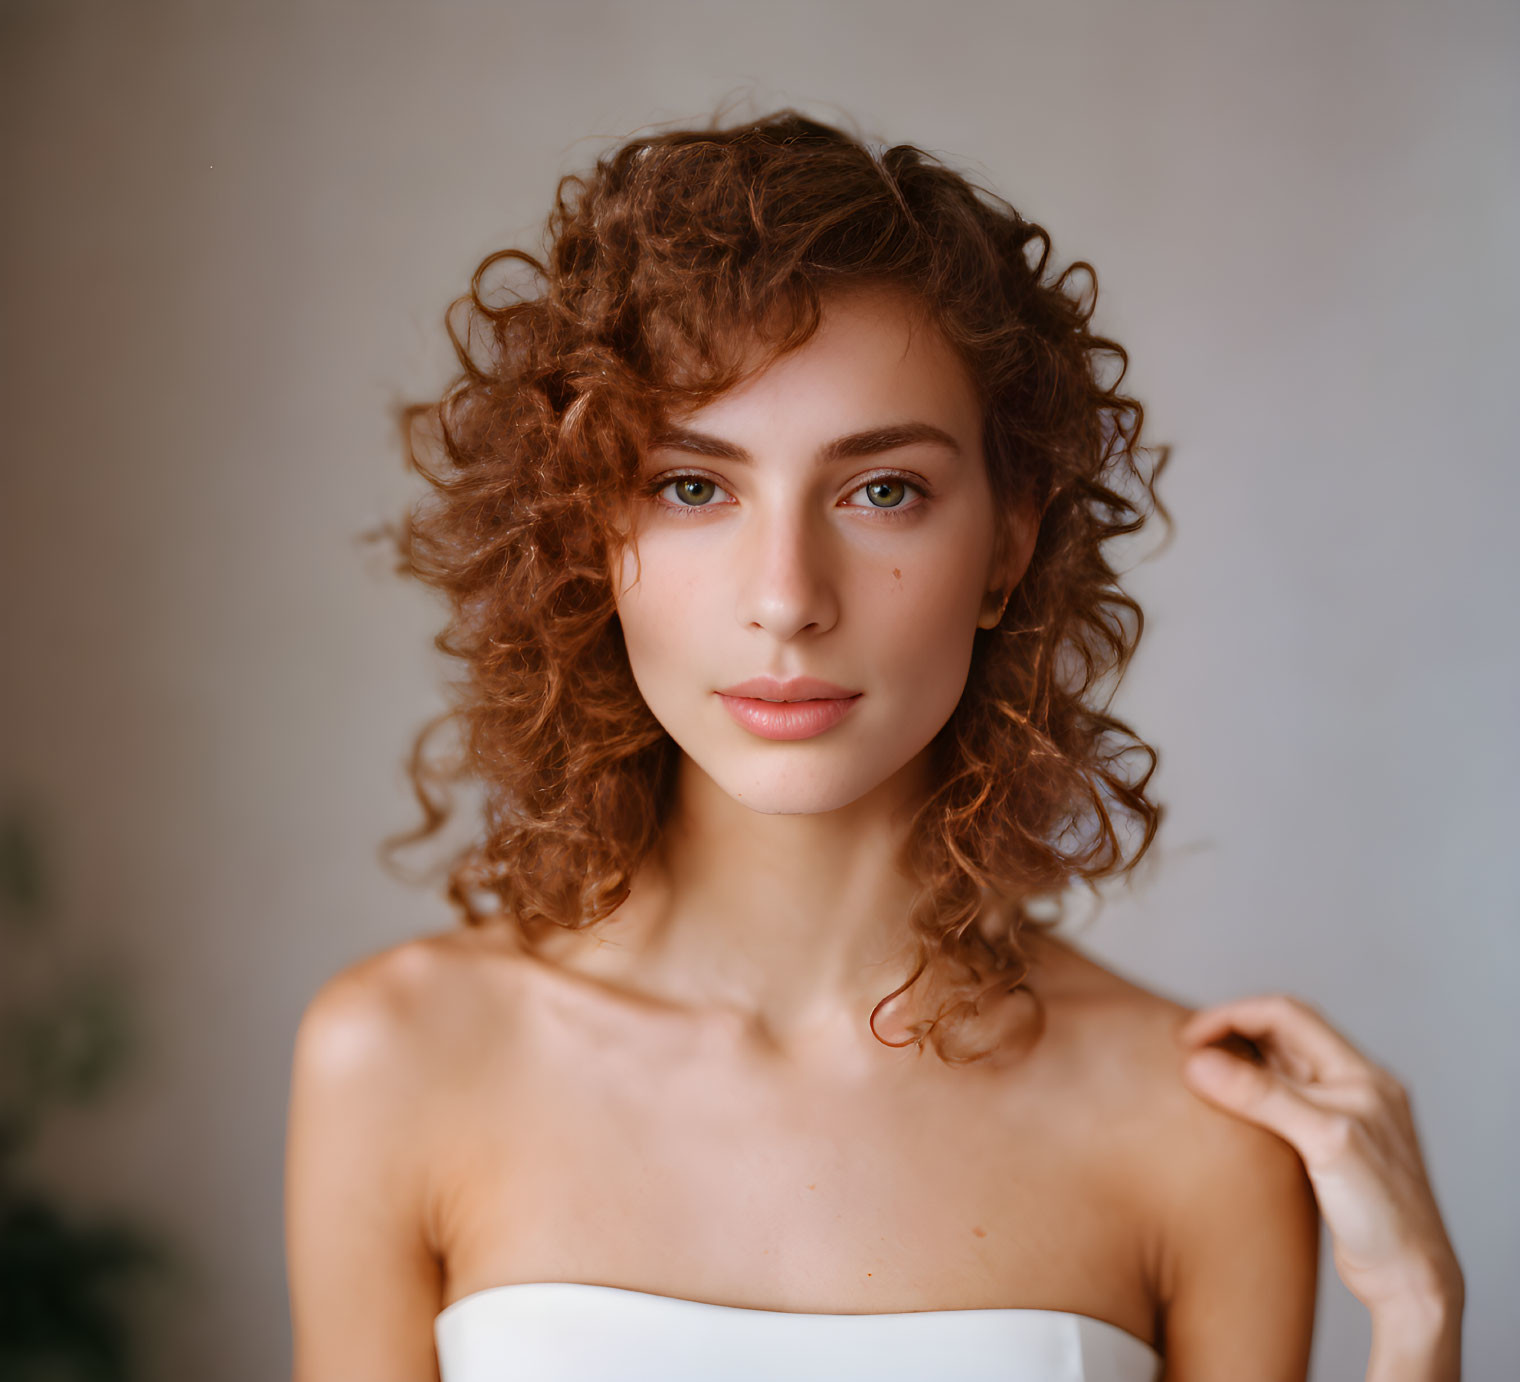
{"x":364,"y":1282}
{"x":1351,"y":1122}
{"x":1240,"y":1257}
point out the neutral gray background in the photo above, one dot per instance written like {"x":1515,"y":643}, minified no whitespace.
{"x":229,"y":238}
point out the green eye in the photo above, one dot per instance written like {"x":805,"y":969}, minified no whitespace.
{"x":892,"y":496}
{"x":695,"y":489}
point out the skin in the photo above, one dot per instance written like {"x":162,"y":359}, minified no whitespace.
{"x":687,"y":1101}
{"x":1352,"y":1123}
{"x":786,"y":567}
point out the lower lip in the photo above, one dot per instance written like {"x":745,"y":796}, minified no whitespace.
{"x":787,"y":719}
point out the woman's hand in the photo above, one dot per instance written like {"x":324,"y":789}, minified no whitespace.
{"x":1351,"y":1124}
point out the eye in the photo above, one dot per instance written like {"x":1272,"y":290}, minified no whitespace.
{"x":692,"y":491}
{"x":889,"y":492}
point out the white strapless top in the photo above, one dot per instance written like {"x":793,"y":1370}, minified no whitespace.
{"x":563,"y":1331}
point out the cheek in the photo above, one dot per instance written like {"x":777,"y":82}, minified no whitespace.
{"x":927,"y":604}
{"x":660,"y":608}
{"x":931,"y":624}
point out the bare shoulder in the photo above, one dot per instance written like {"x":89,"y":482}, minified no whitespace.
{"x":1120,"y":1035}
{"x":400,"y":1006}
{"x":1235,"y":1225}
{"x":382,"y":1063}
{"x":1126,"y":1036}
{"x":393,"y":1041}
{"x":367,"y":1053}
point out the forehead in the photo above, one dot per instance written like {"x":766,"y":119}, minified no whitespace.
{"x":877,"y":356}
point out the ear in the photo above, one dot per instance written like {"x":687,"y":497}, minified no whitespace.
{"x":1011,"y":558}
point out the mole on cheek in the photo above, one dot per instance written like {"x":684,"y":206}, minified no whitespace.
{"x":897,"y":573}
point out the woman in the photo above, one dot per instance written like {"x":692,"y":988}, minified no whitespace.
{"x":773,"y":527}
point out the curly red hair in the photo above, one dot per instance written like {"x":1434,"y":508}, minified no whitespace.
{"x":664,"y":265}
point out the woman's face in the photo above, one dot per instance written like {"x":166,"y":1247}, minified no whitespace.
{"x":829,"y":517}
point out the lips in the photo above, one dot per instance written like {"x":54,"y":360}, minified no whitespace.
{"x":767,"y":688}
{"x":788,"y":719}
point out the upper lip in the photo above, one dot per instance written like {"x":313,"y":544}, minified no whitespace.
{"x":793,"y":689}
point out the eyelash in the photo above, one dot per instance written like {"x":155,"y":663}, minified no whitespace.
{"x":897,"y":511}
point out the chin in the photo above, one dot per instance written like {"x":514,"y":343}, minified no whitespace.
{"x":794,"y":799}
{"x":811,"y":784}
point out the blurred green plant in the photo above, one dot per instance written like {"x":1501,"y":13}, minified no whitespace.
{"x":63,"y":1317}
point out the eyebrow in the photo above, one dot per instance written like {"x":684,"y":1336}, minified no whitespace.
{"x":871,"y":442}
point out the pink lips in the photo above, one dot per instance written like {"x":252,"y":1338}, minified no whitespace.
{"x":797,"y":708}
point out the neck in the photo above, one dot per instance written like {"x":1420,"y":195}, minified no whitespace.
{"x":795,"y":924}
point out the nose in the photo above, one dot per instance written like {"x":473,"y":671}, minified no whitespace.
{"x":785,"y":575}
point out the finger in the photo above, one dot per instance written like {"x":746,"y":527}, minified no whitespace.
{"x":1253,"y":1092}
{"x":1287,"y":1022}
{"x":1284,"y":1033}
